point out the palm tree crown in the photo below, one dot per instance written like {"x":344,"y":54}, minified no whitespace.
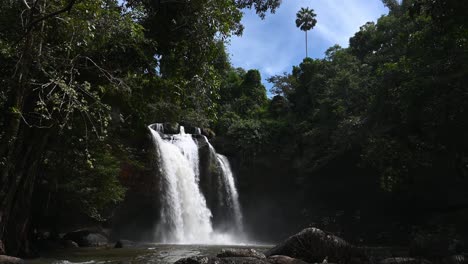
{"x":305,"y":21}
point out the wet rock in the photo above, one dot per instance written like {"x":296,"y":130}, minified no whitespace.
{"x":216,"y":260}
{"x":96,"y":240}
{"x":277,"y":259}
{"x":171,"y":128}
{"x":85,"y":238}
{"x":118,"y":244}
{"x":70,"y":244}
{"x":10,"y":260}
{"x":189,"y":129}
{"x":207,"y":132}
{"x":314,"y":245}
{"x":240,"y":252}
{"x":404,"y":261}
{"x":122,"y":243}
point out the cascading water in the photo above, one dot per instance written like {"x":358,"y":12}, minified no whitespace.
{"x":185,"y":216}
{"x":232,"y":196}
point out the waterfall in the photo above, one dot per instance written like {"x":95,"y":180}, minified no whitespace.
{"x":231,"y":191}
{"x":185,"y":217}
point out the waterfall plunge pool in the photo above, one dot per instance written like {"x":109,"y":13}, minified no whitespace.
{"x":141,"y":254}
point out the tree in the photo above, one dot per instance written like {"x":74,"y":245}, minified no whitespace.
{"x":305,"y":20}
{"x":68,"y":55}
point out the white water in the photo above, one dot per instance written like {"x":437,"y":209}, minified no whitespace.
{"x":185,"y":217}
{"x":233,"y":196}
{"x":189,"y":149}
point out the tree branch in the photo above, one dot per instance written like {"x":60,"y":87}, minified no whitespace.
{"x":67,"y":8}
{"x":26,"y":4}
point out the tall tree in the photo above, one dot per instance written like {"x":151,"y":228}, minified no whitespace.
{"x":58,"y":76}
{"x":305,"y":20}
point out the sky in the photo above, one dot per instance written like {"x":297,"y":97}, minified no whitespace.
{"x":275,"y":44}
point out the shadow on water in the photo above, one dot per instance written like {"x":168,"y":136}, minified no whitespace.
{"x":145,"y":253}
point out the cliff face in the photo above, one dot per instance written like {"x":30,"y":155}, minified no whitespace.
{"x":135,"y":217}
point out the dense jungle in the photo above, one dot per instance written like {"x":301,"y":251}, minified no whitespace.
{"x":368,"y":142}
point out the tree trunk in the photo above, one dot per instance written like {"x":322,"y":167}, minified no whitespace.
{"x":11,"y":151}
{"x":306,"y":45}
{"x":9,"y":180}
{"x":18,"y":206}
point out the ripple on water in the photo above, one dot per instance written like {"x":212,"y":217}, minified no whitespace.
{"x":144,"y":254}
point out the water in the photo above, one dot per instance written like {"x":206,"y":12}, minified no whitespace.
{"x":142,"y":254}
{"x":185,"y":216}
{"x":232,"y":196}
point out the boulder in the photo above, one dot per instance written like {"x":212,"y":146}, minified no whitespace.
{"x":85,"y":238}
{"x":70,"y":244}
{"x":284,"y":260}
{"x":400,"y":260}
{"x":10,"y":260}
{"x":95,"y":240}
{"x":240,"y":252}
{"x":314,"y":245}
{"x":216,"y":260}
{"x":118,"y":244}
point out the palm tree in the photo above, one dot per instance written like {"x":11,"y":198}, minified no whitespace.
{"x":305,"y":20}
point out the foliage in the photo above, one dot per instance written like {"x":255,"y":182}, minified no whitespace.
{"x":395,"y":93}
{"x":81,"y":80}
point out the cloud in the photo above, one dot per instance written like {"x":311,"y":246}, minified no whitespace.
{"x":274,"y":45}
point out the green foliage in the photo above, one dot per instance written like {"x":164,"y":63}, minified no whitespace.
{"x":396,"y":95}
{"x":305,"y":19}
{"x":85,"y":179}
{"x":261,"y":6}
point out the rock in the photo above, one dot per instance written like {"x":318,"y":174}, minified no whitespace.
{"x":77,"y":236}
{"x":284,"y":260}
{"x":70,"y":244}
{"x":10,"y":260}
{"x":456,"y":259}
{"x":189,"y":129}
{"x":118,"y":244}
{"x":207,"y":132}
{"x":216,"y":260}
{"x":122,"y":243}
{"x":171,"y":128}
{"x":404,"y":261}
{"x":84,"y":238}
{"x":96,"y":240}
{"x":314,"y":245}
{"x":240,"y":252}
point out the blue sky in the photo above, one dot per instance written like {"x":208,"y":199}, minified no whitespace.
{"x":274,"y":45}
